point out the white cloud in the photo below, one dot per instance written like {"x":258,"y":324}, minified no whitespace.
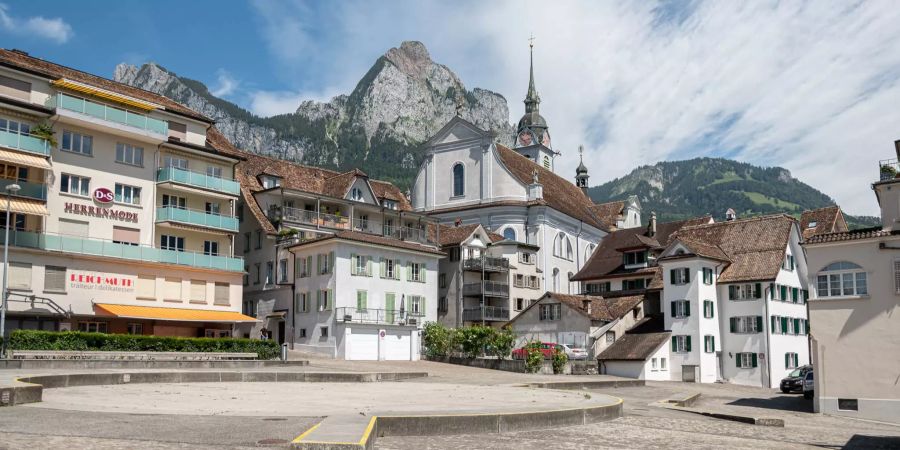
{"x":225,"y":84}
{"x":55,"y":29}
{"x":812,"y":87}
{"x":271,"y":103}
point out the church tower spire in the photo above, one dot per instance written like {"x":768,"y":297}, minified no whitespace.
{"x":532,"y":99}
{"x":581,"y":173}
{"x":532,"y":128}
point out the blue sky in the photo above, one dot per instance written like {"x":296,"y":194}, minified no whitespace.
{"x":810,"y":86}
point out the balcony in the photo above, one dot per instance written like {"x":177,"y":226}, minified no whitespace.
{"x":888,"y":169}
{"x":486,"y":313}
{"x":29,"y":189}
{"x":24,"y":142}
{"x":373,"y":227}
{"x":197,"y":218}
{"x":376,"y":316}
{"x":198,"y":180}
{"x":487,"y":264}
{"x":96,"y":247}
{"x":108,"y":113}
{"x":488,"y":288}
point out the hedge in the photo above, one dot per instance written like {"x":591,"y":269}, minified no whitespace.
{"x":76,"y":340}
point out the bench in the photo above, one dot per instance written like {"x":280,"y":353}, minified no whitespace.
{"x":130,"y":356}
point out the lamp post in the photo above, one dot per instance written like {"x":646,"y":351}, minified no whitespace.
{"x":10,"y":190}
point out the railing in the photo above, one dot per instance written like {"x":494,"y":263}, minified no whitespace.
{"x":489,"y":288}
{"x":312,"y":218}
{"x":490,"y":313}
{"x":24,"y":142}
{"x":375,"y":316}
{"x":367,"y":226}
{"x":197,"y":179}
{"x":888,"y":169}
{"x":194,"y":217}
{"x":109,"y":113}
{"x":28,"y":189}
{"x":490,"y":264}
{"x":97,"y":247}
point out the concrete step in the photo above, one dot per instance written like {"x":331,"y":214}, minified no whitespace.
{"x":339,"y":432}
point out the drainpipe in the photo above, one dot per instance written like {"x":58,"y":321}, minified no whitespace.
{"x":767,"y":382}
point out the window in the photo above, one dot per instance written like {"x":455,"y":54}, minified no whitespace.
{"x":550,"y":311}
{"x":416,"y":272}
{"x":13,"y":172}
{"x":362,"y":298}
{"x":509,"y":233}
{"x":442,"y":280}
{"x":172,"y":290}
{"x":533,"y":282}
{"x":520,"y":304}
{"x":212,"y":208}
{"x":18,"y":221}
{"x":198,"y":291}
{"x":459,"y":180}
{"x":628,"y":285}
{"x":129,"y":154}
{"x":681,"y":344}
{"x":526,"y":257}
{"x":256,"y":270}
{"x":282,"y":271}
{"x":168,"y":242}
{"x":454,"y":254}
{"x":681,"y":309}
{"x":653,"y":364}
{"x":211,"y":248}
{"x":74,"y":184}
{"x":745,"y":324}
{"x":324,"y":299}
{"x":709,"y":344}
{"x":303,"y":332}
{"x":610,"y":337}
{"x":359,"y":265}
{"x":389,"y":204}
{"x":146,"y":287}
{"x":128,"y":194}
{"x":356,"y":194}
{"x":177,"y":131}
{"x":19,"y":276}
{"x":246,"y":242}
{"x":303,"y":266}
{"x":134,"y":328}
{"x":442,"y":304}
{"x":791,"y":361}
{"x":416,"y":305}
{"x":270,"y":272}
{"x":221,"y":294}
{"x":323,"y":332}
{"x":598,"y":288}
{"x":662,"y":363}
{"x":246,"y":275}
{"x":92,"y":327}
{"x":54,"y":279}
{"x":269,"y":182}
{"x":562,"y":246}
{"x":11,"y":125}
{"x":788,"y":263}
{"x":302,"y":305}
{"x":707,"y":276}
{"x":258,"y":239}
{"x":634,"y":258}
{"x":175,"y":161}
{"x":123,"y":235}
{"x":745,"y":360}
{"x":745,"y":291}
{"x":77,"y":143}
{"x":842,"y":279}
{"x":324,"y":262}
{"x":680,"y":276}
{"x":214,"y":171}
{"x":174,"y":201}
{"x":708,"y":309}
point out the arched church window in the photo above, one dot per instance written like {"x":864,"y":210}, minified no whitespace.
{"x":568,"y":249}
{"x":509,"y":233}
{"x":459,"y":179}
{"x":556,"y":279}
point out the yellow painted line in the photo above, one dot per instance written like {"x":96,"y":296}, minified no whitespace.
{"x":365,"y":436}
{"x":305,"y":433}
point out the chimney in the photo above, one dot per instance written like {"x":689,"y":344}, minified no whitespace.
{"x":586,"y":305}
{"x":651,"y":227}
{"x":730,"y":215}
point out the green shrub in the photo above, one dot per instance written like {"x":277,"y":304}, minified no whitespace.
{"x":474,"y":340}
{"x":534,"y":358}
{"x":439,"y":340}
{"x":76,"y":340}
{"x":502,"y":342}
{"x":559,"y":360}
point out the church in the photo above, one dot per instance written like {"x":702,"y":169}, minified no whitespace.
{"x":468,"y":178}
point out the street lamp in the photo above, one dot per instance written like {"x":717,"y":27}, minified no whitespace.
{"x":10,"y":190}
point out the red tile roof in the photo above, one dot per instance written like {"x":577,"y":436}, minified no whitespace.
{"x":634,"y":346}
{"x":356,"y":236}
{"x":864,"y":233}
{"x":452,"y":235}
{"x":602,"y":309}
{"x":827,"y":220}
{"x":609,"y":213}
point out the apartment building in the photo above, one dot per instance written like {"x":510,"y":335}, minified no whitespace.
{"x":124,"y":220}
{"x":337,"y":263}
{"x":854,"y":310}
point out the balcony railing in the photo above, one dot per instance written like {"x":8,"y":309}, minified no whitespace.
{"x":376,"y":316}
{"x":197,"y":179}
{"x":488,"y":263}
{"x":368,"y":226}
{"x":488,"y":313}
{"x":489,"y":288}
{"x":109,"y":113}
{"x":194,"y":217}
{"x":97,"y":247}
{"x":29,"y":189}
{"x":26,"y":142}
{"x":888,"y":169}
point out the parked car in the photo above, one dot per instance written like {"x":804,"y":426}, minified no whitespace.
{"x":794,"y":381}
{"x":574,"y":353}
{"x":546,"y":349}
{"x":808,"y":386}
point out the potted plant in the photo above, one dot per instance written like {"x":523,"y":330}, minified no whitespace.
{"x":43,"y":130}
{"x":888,"y":172}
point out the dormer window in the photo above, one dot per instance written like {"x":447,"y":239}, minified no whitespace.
{"x":812,"y":224}
{"x":390,"y":204}
{"x":356,"y":195}
{"x":636,"y":258}
{"x":269,"y":181}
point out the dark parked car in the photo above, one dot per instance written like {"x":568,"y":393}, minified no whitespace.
{"x":809,"y":386}
{"x":794,"y":381}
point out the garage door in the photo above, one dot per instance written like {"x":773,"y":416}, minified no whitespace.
{"x":363,"y":345}
{"x":397,"y":346}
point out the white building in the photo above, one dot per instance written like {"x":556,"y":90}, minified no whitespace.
{"x":855,"y":313}
{"x":337,"y":263}
{"x":124,"y":221}
{"x":732,"y":295}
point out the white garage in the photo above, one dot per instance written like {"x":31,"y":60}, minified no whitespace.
{"x":372,"y":344}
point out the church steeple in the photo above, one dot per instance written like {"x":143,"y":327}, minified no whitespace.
{"x":532,"y":127}
{"x":581,"y":173}
{"x":532,"y":99}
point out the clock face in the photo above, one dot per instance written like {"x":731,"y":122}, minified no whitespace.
{"x":546,"y":140}
{"x":525,"y":138}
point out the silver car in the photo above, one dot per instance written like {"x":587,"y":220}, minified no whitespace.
{"x":575,"y":353}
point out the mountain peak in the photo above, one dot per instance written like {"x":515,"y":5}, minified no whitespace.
{"x":412,"y":58}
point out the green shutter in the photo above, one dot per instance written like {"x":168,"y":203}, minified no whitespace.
{"x":759,"y":323}
{"x":687,"y":308}
{"x":369,"y":266}
{"x":713,"y":342}
{"x":687,"y":343}
{"x":757,"y":290}
{"x":383,"y":267}
{"x":308,"y":265}
{"x":795,"y":295}
{"x":673,"y":309}
{"x":674,"y":343}
{"x":753,"y":357}
{"x":422,"y":272}
{"x":318,"y":299}
{"x":361,"y":300}
{"x":732,"y":292}
{"x":737,"y":360}
{"x":353,"y":262}
{"x":318,"y":263}
{"x":787,"y":360}
{"x":672,"y":276}
{"x":806,"y":326}
{"x":732,"y":323}
{"x":331,"y":262}
{"x":797,"y":326}
{"x":774,"y":319}
{"x":784,"y":322}
{"x":784,"y":293}
{"x":687,"y":275}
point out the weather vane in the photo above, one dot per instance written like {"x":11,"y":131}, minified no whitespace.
{"x":531,"y":41}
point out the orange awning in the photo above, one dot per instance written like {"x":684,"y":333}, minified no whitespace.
{"x":25,"y":160}
{"x":26,"y":206}
{"x":171,"y":314}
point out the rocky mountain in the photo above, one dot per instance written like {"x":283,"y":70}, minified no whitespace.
{"x":682,"y":189}
{"x":379,"y":127}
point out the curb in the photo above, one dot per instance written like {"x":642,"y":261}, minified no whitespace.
{"x":141,"y":364}
{"x":750,"y":420}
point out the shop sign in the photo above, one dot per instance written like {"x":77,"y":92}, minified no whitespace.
{"x":100,"y":281}
{"x":103,"y":195}
{"x":97,"y":211}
